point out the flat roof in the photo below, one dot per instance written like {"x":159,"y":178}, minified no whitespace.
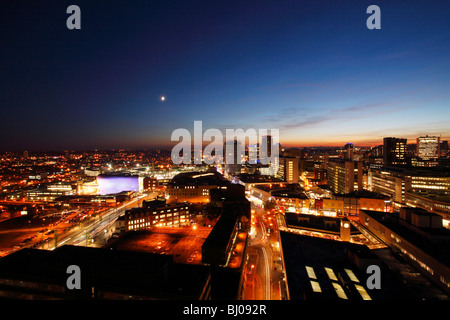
{"x":126,"y":272}
{"x":438,"y":171}
{"x":199,"y":178}
{"x":363,"y":194}
{"x":318,"y":223}
{"x":222,"y":231}
{"x":258,"y":178}
{"x":432,"y":196}
{"x":313,"y":263}
{"x":441,"y":251}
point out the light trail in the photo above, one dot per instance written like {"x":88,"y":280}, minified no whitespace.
{"x":268,"y":285}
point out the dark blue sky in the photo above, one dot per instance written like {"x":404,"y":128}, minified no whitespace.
{"x":311,"y":69}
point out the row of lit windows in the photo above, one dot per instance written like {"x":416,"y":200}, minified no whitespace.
{"x":160,"y":223}
{"x":155,"y":218}
{"x":421,"y":263}
{"x":429,"y":187}
{"x":185,"y":187}
{"x":430,"y":178}
{"x":187,"y":193}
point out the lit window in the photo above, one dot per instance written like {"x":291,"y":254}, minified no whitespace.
{"x":311,"y":272}
{"x":339,"y":291}
{"x":351,"y":275}
{"x":362,"y":292}
{"x":315,"y":286}
{"x":331,"y":274}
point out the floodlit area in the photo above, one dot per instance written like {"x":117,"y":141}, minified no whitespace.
{"x":183,"y":243}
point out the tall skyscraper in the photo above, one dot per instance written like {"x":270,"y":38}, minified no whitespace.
{"x":394,"y":151}
{"x":428,"y":147}
{"x":234,"y":158}
{"x":349,"y":151}
{"x":269,"y":150}
{"x":267,"y":141}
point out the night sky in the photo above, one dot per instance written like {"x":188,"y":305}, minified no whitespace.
{"x":311,"y":69}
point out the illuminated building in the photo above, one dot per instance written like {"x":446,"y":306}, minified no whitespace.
{"x":87,"y":187}
{"x":394,"y":151}
{"x":285,"y":198}
{"x":344,"y":176}
{"x":387,"y":182}
{"x":268,"y":143}
{"x":194,"y":187}
{"x":222,"y":247}
{"x":320,"y":175}
{"x":92,"y":172}
{"x":432,"y":202}
{"x":290,"y":201}
{"x":49,"y":192}
{"x":355,"y":201}
{"x":150,"y":184}
{"x":419,"y":236}
{"x":116,"y":183}
{"x":333,"y":207}
{"x":156,"y":213}
{"x":419,"y":162}
{"x":288,"y":169}
{"x":428,"y":188}
{"x":250,"y":180}
{"x":324,"y":225}
{"x":428,"y":147}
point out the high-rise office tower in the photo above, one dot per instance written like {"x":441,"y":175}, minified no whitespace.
{"x":394,"y":151}
{"x":233,"y":157}
{"x":344,"y":176}
{"x":269,"y":155}
{"x":267,"y":142}
{"x":288,"y":169}
{"x":428,"y":147}
{"x":349,"y":151}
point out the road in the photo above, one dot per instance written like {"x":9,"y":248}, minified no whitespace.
{"x":265,"y":276}
{"x":96,"y":231}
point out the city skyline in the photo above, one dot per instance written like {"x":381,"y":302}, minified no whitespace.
{"x":312,"y":70}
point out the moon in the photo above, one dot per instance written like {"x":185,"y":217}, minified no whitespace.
{"x":163,"y":98}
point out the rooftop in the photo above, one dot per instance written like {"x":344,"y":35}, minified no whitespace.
{"x":364,"y":194}
{"x":419,"y":237}
{"x":317,"y":223}
{"x":108,"y":270}
{"x":438,"y":171}
{"x":322,"y":269}
{"x":199,"y":178}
